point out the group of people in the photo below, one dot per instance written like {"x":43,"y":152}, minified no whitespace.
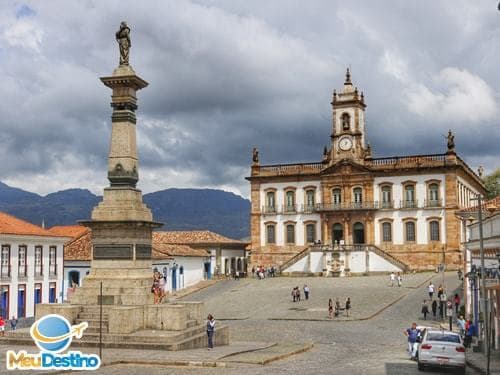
{"x":393,"y":278}
{"x":13,"y":325}
{"x":296,"y":293}
{"x":262,"y":272}
{"x":334,"y":309}
{"x":440,"y":303}
{"x":159,"y":287}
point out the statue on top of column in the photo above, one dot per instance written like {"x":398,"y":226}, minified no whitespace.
{"x":255,"y":155}
{"x":123,"y":39}
{"x":451,"y":141}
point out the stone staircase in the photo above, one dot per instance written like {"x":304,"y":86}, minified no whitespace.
{"x":194,"y":336}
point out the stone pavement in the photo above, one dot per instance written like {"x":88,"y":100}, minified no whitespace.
{"x":373,"y":346}
{"x":271,"y":298}
{"x":478,"y":361}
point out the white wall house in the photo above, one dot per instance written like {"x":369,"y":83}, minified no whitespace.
{"x":31,"y":267}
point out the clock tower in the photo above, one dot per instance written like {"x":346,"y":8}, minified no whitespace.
{"x":348,"y":124}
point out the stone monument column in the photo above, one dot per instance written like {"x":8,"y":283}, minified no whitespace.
{"x":121,"y":224}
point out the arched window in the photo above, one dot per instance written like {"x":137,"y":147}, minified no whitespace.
{"x":336,"y":196}
{"x":290,"y":233}
{"x":433,"y":195}
{"x":358,"y":196}
{"x":409,"y":201}
{"x":290,"y":201}
{"x":386,"y":232}
{"x":270,"y":202}
{"x":346,"y":121}
{"x":310,"y":199}
{"x":434,"y":230}
{"x":410,"y":231}
{"x":271,"y":233}
{"x":310,"y":233}
{"x":386,"y":196}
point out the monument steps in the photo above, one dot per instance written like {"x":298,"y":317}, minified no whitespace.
{"x":194,"y":337}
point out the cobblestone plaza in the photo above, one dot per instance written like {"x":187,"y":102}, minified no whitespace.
{"x":266,"y":325}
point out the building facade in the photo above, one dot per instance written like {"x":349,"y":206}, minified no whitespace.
{"x":402,"y":206}
{"x":31,"y":267}
{"x":184,"y":257}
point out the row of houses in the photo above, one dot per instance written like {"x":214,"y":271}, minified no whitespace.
{"x":41,"y":265}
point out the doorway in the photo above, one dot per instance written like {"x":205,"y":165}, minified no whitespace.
{"x":358,"y":233}
{"x":337,"y":233}
{"x":174,"y":278}
{"x":21,"y":301}
{"x":4,"y":308}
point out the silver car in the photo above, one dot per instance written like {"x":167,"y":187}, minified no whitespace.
{"x":442,"y":349}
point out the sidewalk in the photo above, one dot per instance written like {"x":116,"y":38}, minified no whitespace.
{"x":478,"y":362}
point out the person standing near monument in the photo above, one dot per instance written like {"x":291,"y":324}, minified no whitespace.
{"x":330,"y":308}
{"x":210,"y":331}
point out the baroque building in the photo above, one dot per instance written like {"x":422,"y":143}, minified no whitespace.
{"x":400,"y":208}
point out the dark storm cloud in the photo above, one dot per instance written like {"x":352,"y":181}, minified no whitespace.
{"x":229,"y":75}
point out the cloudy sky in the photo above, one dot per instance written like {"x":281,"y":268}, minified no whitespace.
{"x":232,"y":74}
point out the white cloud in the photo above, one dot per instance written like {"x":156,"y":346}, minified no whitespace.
{"x":23,"y":33}
{"x":460,"y":97}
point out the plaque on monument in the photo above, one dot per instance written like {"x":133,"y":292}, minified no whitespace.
{"x":113,"y":252}
{"x":142,"y":251}
{"x":106,"y":300}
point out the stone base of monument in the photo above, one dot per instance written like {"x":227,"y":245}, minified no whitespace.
{"x":175,"y":326}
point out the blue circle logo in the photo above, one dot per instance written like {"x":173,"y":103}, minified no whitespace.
{"x":54,"y":333}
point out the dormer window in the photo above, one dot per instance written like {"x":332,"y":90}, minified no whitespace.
{"x":346,"y":121}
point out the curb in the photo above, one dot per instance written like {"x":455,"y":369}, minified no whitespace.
{"x":249,"y":350}
{"x":177,"y":297}
{"x":286,"y":355}
{"x":475,"y":367}
{"x":176,"y":363}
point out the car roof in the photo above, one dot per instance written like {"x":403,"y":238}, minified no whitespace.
{"x":442,"y":332}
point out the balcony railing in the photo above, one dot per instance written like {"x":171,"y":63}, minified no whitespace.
{"x":5,"y":272}
{"x":269,"y":210}
{"x":291,"y":209}
{"x":430,"y":203}
{"x":409,"y":204}
{"x":22,"y":271}
{"x":52,"y":269}
{"x":308,"y":208}
{"x":386,"y":205}
{"x":346,"y":206}
{"x":38,"y":272}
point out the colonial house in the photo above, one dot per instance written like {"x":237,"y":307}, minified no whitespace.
{"x":227,"y":256}
{"x":351,"y":212}
{"x":31,"y":267}
{"x":472,"y":261}
{"x":184,"y":257}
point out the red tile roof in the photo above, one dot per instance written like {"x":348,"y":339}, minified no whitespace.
{"x":195,"y":237}
{"x":80,"y":247}
{"x":68,"y":230}
{"x":491,"y":204}
{"x":12,"y":225}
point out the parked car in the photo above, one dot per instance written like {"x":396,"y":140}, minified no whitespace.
{"x":441,"y":349}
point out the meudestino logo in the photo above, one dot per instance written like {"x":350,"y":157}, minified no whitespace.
{"x":53,"y":335}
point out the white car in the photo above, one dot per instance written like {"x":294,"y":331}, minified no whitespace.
{"x":441,"y":348}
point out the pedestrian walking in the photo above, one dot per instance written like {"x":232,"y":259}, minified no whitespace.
{"x":434,"y":306}
{"x":298,"y":293}
{"x":392,"y":278}
{"x":330,"y":308}
{"x":337,"y":307}
{"x":469,"y":332}
{"x":294,"y":295}
{"x":461,"y":325}
{"x":210,"y":331}
{"x":425,"y":309}
{"x":456,"y":300}
{"x":430,"y":290}
{"x":440,"y":291}
{"x":13,"y":323}
{"x":347,"y":306}
{"x":306,"y":292}
{"x":442,"y":303}
{"x":2,"y":326}
{"x":400,"y":279}
{"x":253,"y":271}
{"x":412,"y":334}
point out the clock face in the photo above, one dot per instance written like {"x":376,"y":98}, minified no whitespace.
{"x":345,"y":143}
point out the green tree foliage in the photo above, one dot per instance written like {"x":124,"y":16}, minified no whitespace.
{"x":492,"y":183}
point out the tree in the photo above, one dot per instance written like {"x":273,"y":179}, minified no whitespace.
{"x":492,"y":183}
